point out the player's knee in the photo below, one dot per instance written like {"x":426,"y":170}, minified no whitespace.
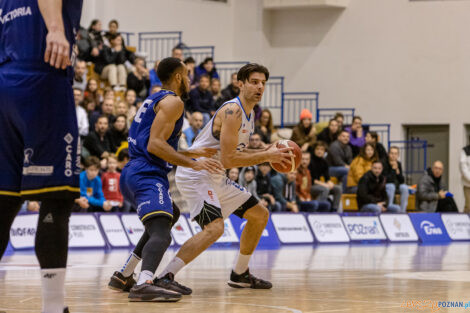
{"x":215,"y":229}
{"x":258,"y":214}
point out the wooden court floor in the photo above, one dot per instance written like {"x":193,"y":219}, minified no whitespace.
{"x":335,"y":278}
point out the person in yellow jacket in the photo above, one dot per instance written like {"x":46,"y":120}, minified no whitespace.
{"x":360,"y":165}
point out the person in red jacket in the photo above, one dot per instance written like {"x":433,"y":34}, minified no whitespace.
{"x":111,"y":190}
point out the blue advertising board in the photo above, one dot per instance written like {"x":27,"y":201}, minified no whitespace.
{"x":268,"y":240}
{"x":429,"y":227}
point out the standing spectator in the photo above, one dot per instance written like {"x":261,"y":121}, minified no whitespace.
{"x":138,"y":80}
{"x":110,"y":64}
{"x":339,"y":157}
{"x":191,"y":64}
{"x":200,"y":99}
{"x":95,"y":37}
{"x":248,"y":180}
{"x":82,"y":118}
{"x":360,"y":165}
{"x":98,"y":142}
{"x":303,"y":133}
{"x":303,"y":185}
{"x":373,"y":138}
{"x":371,"y":193}
{"x":395,"y":179}
{"x":330,"y":133}
{"x":339,"y":117}
{"x":79,"y":78}
{"x":111,"y":190}
{"x":177,"y":52}
{"x":232,"y":90}
{"x":264,"y":187}
{"x":206,"y":67}
{"x":191,"y":132}
{"x":91,"y":92}
{"x":216,"y":90}
{"x":119,"y":132}
{"x":233,"y":173}
{"x":465,"y":171}
{"x":91,"y":190}
{"x":154,"y":80}
{"x":264,"y":126}
{"x":320,"y":178}
{"x":357,"y":138}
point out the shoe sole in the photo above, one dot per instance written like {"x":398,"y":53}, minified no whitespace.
{"x":181,"y":291}
{"x":243,"y":285}
{"x":155,"y":298}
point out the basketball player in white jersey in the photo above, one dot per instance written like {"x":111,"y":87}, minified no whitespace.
{"x":213,"y":197}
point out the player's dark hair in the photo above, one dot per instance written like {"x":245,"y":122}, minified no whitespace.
{"x":167,"y":67}
{"x":92,"y":161}
{"x":245,"y":72}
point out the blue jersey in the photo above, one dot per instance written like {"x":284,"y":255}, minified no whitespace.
{"x":139,"y":133}
{"x":23,"y":31}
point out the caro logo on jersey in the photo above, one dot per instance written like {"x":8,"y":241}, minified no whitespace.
{"x":68,"y":159}
{"x":11,"y":15}
{"x":160,"y":193}
{"x":430,"y":229}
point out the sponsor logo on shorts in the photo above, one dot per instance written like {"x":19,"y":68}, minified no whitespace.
{"x":139,"y":207}
{"x":68,"y":159}
{"x":11,"y":15}
{"x":132,"y":141}
{"x":28,"y":155}
{"x":38,"y":170}
{"x":211,"y":194}
{"x":160,"y":193}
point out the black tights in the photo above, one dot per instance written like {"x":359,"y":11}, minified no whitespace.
{"x":159,"y":239}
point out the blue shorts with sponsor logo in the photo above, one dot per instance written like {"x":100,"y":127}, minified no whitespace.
{"x":147,"y":188}
{"x":39,"y":143}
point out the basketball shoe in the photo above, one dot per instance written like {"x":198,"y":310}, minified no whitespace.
{"x":168,"y":282}
{"x":149,"y":292}
{"x":246,"y":280}
{"x":120,"y":283}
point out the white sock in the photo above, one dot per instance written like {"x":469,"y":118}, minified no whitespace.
{"x":53,"y":291}
{"x":130,"y":265}
{"x":144,"y":276}
{"x":173,"y":267}
{"x":242,"y":263}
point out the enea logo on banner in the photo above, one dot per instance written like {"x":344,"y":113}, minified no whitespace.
{"x":84,"y":232}
{"x":364,"y":228}
{"x":398,"y":227}
{"x":457,"y":226}
{"x":429,"y":227}
{"x":328,"y":228}
{"x":133,"y":227}
{"x":113,"y":230}
{"x":292,"y":228}
{"x":23,"y":231}
{"x":268,"y":237}
{"x":229,"y":235}
{"x":181,"y":231}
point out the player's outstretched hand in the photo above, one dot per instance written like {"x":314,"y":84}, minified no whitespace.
{"x":282,"y":155}
{"x":210,"y":165}
{"x":204,"y":152}
{"x":57,"y":50}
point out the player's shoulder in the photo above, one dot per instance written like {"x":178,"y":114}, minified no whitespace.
{"x":231,"y":110}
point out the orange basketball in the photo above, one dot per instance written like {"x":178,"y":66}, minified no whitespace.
{"x":296,"y":156}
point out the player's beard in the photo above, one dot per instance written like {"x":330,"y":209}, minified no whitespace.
{"x":184,"y":93}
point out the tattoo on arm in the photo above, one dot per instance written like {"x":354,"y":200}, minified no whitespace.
{"x":217,"y":134}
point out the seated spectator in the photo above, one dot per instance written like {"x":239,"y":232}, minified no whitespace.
{"x":360,"y":165}
{"x":248,"y":181}
{"x":357,"y":136}
{"x":373,"y":138}
{"x":109,"y":94}
{"x":303,"y":185}
{"x":264,"y":188}
{"x":303,"y":133}
{"x":191,"y":64}
{"x":371,"y":192}
{"x":431,"y":195}
{"x":107,"y":109}
{"x":79,"y":78}
{"x":111,"y":190}
{"x":84,"y":44}
{"x":200,"y":100}
{"x":232,"y":174}
{"x":177,"y":52}
{"x":96,"y":39}
{"x":330,"y":133}
{"x":284,"y":192}
{"x":91,"y":92}
{"x":322,"y":186}
{"x":91,"y":191}
{"x":82,"y":117}
{"x":339,"y":117}
{"x":465,"y":172}
{"x":131,"y":99}
{"x":339,"y":157}
{"x":207,"y":67}
{"x":395,"y":179}
{"x":138,"y":80}
{"x":154,"y":80}
{"x":232,"y":90}
{"x":110,"y":64}
{"x":191,"y":132}
{"x":118,"y":132}
{"x":121,"y":109}
{"x":216,"y":90}
{"x":98,"y":142}
{"x":264,"y":126}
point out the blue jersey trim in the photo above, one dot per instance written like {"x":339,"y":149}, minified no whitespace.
{"x":241,"y":104}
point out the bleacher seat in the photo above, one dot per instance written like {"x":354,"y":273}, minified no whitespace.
{"x":350,"y":203}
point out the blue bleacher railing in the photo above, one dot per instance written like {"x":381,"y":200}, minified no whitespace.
{"x":158,"y":45}
{"x":273,"y":99}
{"x":226,"y":69}
{"x":413,"y":155}
{"x":383,"y":131}
{"x":325,"y":114}
{"x":127,"y":36}
{"x":199,"y":53}
{"x":294,"y":103}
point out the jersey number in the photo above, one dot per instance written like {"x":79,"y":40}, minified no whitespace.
{"x":142,"y":110}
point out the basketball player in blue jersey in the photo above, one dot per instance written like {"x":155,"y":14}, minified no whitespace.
{"x":39,"y":142}
{"x":153,"y":139}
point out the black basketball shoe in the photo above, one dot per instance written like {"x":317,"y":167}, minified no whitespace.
{"x":149,"y":292}
{"x":120,"y":283}
{"x":246,"y":280}
{"x":168,"y":282}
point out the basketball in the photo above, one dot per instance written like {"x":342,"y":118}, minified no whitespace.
{"x":296,"y":156}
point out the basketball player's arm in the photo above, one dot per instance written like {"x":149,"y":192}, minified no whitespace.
{"x":231,"y":119}
{"x":169,"y":111}
{"x":57,"y":46}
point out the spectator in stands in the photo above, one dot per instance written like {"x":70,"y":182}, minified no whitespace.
{"x":395,"y":179}
{"x":371,"y":193}
{"x":111,"y":190}
{"x":200,"y":99}
{"x":110,"y":63}
{"x":360,"y":165}
{"x":79,"y":78}
{"x":121,"y":108}
{"x":303,"y":133}
{"x":339,"y":157}
{"x":177,"y":52}
{"x":373,"y":138}
{"x":82,"y":117}
{"x":130,"y":97}
{"x":98,"y":142}
{"x":109,"y":94}
{"x":107,"y":109}
{"x":465,"y":171}
{"x":191,"y":64}
{"x":264,"y":187}
{"x":118,"y":132}
{"x":232,"y":174}
{"x":91,"y":92}
{"x":84,"y":44}
{"x":255,"y":142}
{"x":91,"y":191}
{"x":216,"y":91}
{"x":330,"y":133}
{"x":339,"y":117}
{"x":264,"y":126}
{"x":232,"y":90}
{"x":357,"y":136}
{"x":113,"y":27}
{"x":322,"y":186}
{"x":206,"y":67}
{"x":96,"y":40}
{"x":191,"y":132}
{"x":138,"y":80}
{"x":154,"y":80}
{"x":248,"y":180}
